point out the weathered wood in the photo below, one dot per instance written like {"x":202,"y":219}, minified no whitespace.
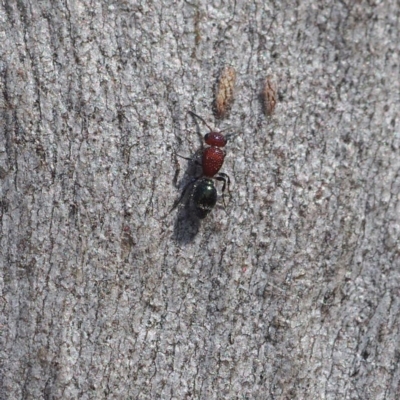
{"x":292,"y":292}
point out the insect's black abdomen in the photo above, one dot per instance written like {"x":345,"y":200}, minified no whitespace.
{"x":204,"y":197}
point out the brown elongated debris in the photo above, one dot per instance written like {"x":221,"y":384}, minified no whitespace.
{"x":269,"y":96}
{"x":225,"y":92}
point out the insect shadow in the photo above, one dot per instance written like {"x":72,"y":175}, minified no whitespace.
{"x":187,"y":223}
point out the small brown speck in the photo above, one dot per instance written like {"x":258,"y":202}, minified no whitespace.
{"x":224,"y":95}
{"x":269,"y":97}
{"x":319,"y":193}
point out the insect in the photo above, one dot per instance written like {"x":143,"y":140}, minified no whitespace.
{"x":269,"y":97}
{"x":225,"y":92}
{"x":204,"y":196}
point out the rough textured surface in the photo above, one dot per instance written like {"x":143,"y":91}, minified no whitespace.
{"x":293,"y":292}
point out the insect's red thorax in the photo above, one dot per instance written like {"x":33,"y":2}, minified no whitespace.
{"x":213,"y":158}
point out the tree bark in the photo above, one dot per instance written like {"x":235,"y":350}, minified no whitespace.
{"x":291,"y":291}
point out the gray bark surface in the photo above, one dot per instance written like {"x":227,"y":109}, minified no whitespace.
{"x":291,"y":292}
